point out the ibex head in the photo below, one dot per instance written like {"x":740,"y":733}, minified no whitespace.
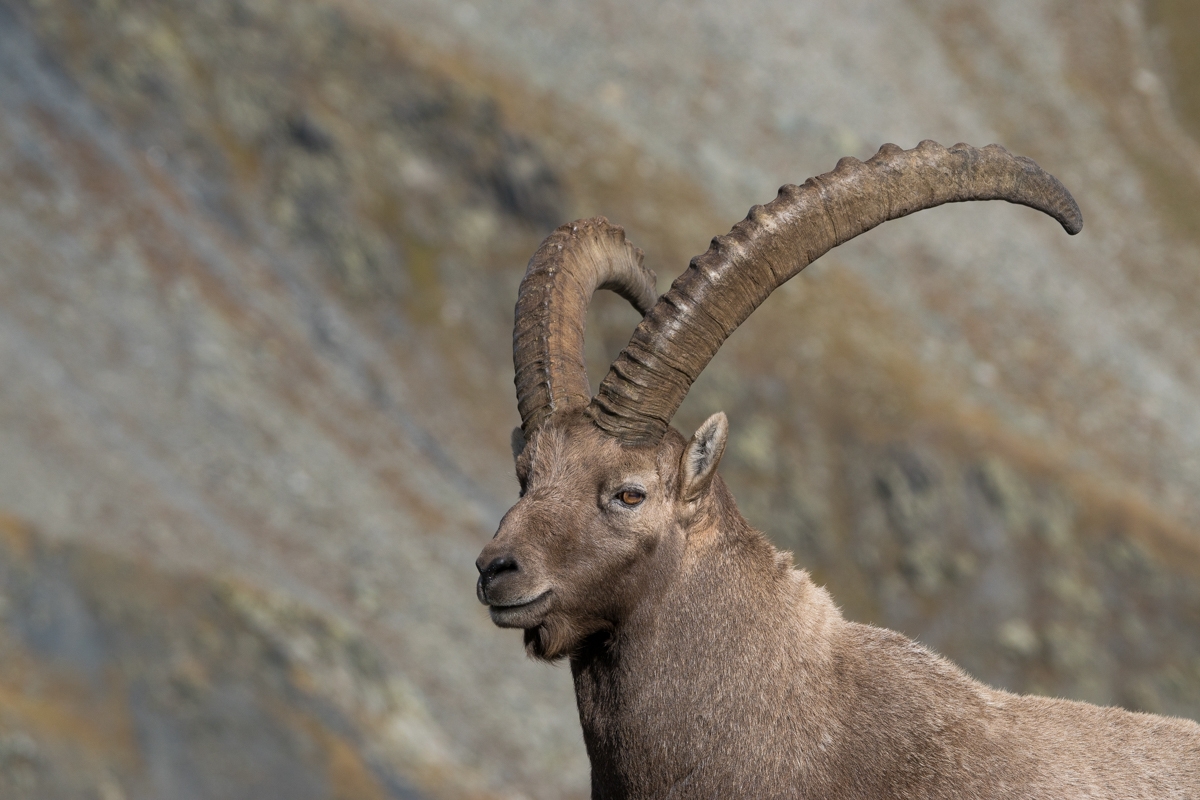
{"x":611,"y":496}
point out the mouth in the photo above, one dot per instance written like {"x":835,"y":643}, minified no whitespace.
{"x":522,"y":614}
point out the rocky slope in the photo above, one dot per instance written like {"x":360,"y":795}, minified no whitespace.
{"x":255,"y":304}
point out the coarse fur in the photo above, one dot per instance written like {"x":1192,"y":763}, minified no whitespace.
{"x":706,"y":666}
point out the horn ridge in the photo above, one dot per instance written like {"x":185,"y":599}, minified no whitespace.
{"x":570,"y":265}
{"x":722,"y":287}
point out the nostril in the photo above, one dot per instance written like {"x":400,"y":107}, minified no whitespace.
{"x":498,"y":565}
{"x":486,"y":574}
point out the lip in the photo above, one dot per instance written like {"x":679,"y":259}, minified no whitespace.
{"x":525,"y":614}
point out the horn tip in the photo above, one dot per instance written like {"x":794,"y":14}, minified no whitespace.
{"x":1072,"y":221}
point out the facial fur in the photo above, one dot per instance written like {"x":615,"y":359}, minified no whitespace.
{"x":594,"y":529}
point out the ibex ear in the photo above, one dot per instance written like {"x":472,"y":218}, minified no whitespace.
{"x":701,"y":457}
{"x":517,"y":442}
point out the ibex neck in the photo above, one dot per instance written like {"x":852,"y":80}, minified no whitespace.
{"x":735,"y":644}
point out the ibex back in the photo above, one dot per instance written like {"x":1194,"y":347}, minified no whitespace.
{"x":705,"y":665}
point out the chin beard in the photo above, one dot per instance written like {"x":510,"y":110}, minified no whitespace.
{"x":548,"y":642}
{"x":556,"y":639}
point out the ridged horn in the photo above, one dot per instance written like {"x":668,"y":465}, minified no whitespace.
{"x":718,"y":291}
{"x":572,"y":263}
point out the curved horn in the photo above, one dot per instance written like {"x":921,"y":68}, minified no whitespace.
{"x":573,"y":262}
{"x":719,"y":289}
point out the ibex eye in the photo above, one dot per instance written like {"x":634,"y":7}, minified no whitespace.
{"x":631,"y":497}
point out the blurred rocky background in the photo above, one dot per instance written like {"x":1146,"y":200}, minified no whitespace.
{"x":257,"y":266}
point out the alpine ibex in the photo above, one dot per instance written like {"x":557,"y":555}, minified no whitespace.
{"x":705,"y":665}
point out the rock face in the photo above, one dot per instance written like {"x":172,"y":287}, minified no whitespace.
{"x":255,"y":305}
{"x":123,"y":682}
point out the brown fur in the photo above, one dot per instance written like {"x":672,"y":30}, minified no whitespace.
{"x":705,"y":666}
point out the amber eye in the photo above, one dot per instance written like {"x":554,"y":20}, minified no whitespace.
{"x":631,"y":497}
